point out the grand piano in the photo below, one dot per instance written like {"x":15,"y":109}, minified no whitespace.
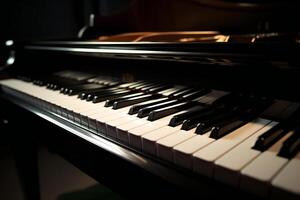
{"x":173,"y":103}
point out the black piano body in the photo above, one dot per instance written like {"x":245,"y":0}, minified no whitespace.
{"x":267,"y":67}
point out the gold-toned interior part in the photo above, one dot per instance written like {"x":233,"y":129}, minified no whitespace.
{"x":182,"y":36}
{"x":196,"y":36}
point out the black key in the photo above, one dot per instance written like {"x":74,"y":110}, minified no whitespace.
{"x":75,"y":91}
{"x":91,"y":95}
{"x":178,"y":119}
{"x":155,"y":85}
{"x":138,"y":84}
{"x":146,"y":110}
{"x":126,"y":85}
{"x":146,"y":85}
{"x":220,"y":119}
{"x":192,"y":122}
{"x":157,"y":114}
{"x":240,"y":116}
{"x":80,"y":87}
{"x":56,"y":83}
{"x":110,"y":96}
{"x":196,"y":94}
{"x":291,"y":146}
{"x":110,"y":102}
{"x":159,"y":88}
{"x":134,"y":100}
{"x":84,"y":94}
{"x":182,"y":92}
{"x":267,"y":139}
{"x":226,"y":128}
{"x":134,"y":109}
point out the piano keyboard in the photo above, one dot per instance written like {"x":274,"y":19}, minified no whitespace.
{"x":213,"y":133}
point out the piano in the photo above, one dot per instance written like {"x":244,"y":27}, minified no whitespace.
{"x":179,"y":112}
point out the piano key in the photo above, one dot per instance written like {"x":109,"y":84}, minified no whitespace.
{"x":110,"y":122}
{"x":135,"y":134}
{"x":134,"y":109}
{"x":192,"y":122}
{"x":121,"y":126}
{"x":76,"y":89}
{"x":146,"y":85}
{"x":257,"y":175}
{"x":145,"y":111}
{"x":183,"y":152}
{"x":166,"y":144}
{"x":228,"y":167}
{"x":159,"y":88}
{"x":178,"y":119}
{"x":107,"y":116}
{"x":102,"y":95}
{"x":205,"y":157}
{"x":110,"y":102}
{"x":270,"y":137}
{"x":291,"y":146}
{"x":122,"y":129}
{"x":134,"y":100}
{"x":221,"y":119}
{"x":139,"y":83}
{"x":152,"y":85}
{"x":225,"y":128}
{"x":109,"y":96}
{"x":162,"y":112}
{"x":169,"y":92}
{"x":126,"y":85}
{"x":180,"y":92}
{"x":286,"y":183}
{"x":91,"y":93}
{"x":196,"y":94}
{"x":114,"y":126}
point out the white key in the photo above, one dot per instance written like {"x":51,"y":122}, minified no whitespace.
{"x":149,"y":139}
{"x":111,"y":126}
{"x":110,"y":115}
{"x":203,"y":160}
{"x":122,"y":129}
{"x":257,"y":175}
{"x":135,"y":134}
{"x":183,"y":153}
{"x":228,"y":167}
{"x":286,"y":184}
{"x":165,"y":145}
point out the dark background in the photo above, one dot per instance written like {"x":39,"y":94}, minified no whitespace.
{"x":52,"y":19}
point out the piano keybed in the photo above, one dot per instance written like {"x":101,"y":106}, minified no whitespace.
{"x":217,"y":134}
